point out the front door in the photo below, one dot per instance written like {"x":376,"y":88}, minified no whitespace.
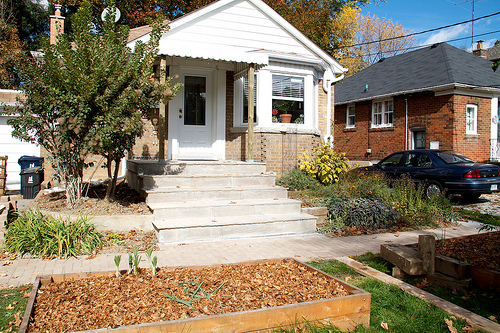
{"x":194,"y":107}
{"x":418,"y":141}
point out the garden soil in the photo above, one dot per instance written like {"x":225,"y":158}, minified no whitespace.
{"x":109,"y":302}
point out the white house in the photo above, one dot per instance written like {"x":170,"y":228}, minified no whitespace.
{"x":210,"y":52}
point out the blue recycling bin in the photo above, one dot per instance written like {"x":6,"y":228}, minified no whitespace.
{"x":31,"y":173}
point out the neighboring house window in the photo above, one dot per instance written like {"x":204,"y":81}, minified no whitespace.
{"x":288,"y":97}
{"x":245,"y":99}
{"x":471,"y":119}
{"x":382,"y":114}
{"x":350,"y":117}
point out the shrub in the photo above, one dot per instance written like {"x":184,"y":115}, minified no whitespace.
{"x":355,"y":184}
{"x":365,"y":213}
{"x":44,"y":236}
{"x":414,"y":207}
{"x":297,"y":180}
{"x":326,"y":164}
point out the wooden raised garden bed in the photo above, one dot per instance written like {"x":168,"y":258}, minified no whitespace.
{"x":251,"y":296}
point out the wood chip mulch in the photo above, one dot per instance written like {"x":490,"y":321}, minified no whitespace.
{"x":482,"y":250}
{"x":109,"y":302}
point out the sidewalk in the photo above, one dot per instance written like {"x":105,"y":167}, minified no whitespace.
{"x":303,"y":248}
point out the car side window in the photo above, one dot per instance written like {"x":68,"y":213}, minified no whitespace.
{"x":417,"y":160}
{"x":392,"y":161}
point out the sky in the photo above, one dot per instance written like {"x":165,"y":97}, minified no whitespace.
{"x":422,"y":15}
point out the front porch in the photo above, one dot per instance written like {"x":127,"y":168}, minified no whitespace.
{"x":196,"y":201}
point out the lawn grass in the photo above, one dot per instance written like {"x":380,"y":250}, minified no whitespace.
{"x":479,"y":217}
{"x":477,"y":300}
{"x":12,"y":305}
{"x":400,"y":311}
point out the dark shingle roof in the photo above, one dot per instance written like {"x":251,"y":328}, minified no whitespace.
{"x":419,"y":70}
{"x":494,"y":53}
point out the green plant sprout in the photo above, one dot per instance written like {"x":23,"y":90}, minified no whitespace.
{"x":115,"y":238}
{"x":149,"y":252}
{"x":154,"y":262}
{"x":136,"y":260}
{"x":193,"y":294}
{"x":117,"y":264}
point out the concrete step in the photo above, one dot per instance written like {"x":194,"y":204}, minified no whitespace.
{"x":203,"y":229}
{"x":158,"y":195}
{"x":204,"y":181}
{"x":223,"y":208}
{"x":153,"y":167}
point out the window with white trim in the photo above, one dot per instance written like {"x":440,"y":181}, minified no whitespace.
{"x":288,"y":97}
{"x":471,"y":119}
{"x":350,"y":121}
{"x":382,"y":113}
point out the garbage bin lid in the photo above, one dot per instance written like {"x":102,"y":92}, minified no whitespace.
{"x":26,"y":158}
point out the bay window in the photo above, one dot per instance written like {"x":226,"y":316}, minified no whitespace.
{"x":288,"y":98}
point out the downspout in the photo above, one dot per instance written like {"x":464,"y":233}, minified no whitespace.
{"x":327,"y":88}
{"x":406,"y":123}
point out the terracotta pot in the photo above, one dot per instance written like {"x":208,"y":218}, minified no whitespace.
{"x":285,"y":117}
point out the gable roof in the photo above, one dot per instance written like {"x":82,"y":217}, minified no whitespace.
{"x":239,"y":31}
{"x":438,"y":67}
{"x":494,"y":52}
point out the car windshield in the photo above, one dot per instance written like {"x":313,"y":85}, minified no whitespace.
{"x":391,"y":161}
{"x":450,"y":157}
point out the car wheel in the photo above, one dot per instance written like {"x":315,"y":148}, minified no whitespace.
{"x":470,"y":196}
{"x":432,"y":188}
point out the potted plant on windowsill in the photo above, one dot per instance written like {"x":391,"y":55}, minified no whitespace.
{"x":281,"y":111}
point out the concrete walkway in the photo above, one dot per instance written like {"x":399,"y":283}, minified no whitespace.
{"x":304,"y":248}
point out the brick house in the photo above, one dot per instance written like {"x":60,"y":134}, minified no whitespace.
{"x":211,"y":51}
{"x":433,"y":97}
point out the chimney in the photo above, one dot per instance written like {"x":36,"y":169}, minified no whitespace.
{"x":56,"y":24}
{"x":480,"y":52}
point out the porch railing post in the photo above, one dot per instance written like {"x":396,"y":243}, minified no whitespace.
{"x":162,"y":113}
{"x":251,"y":71}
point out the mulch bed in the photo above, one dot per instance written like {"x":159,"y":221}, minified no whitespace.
{"x":102,"y":302}
{"x":482,"y":250}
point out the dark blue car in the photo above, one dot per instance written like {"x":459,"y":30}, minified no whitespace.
{"x":442,"y":170}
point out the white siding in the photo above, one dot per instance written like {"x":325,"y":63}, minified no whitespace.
{"x":238,"y":27}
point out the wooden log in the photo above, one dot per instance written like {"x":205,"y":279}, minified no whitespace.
{"x":426,"y":252}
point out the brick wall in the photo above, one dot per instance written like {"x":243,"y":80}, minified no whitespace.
{"x":10,"y":96}
{"x":442,"y":117}
{"x":475,"y":146}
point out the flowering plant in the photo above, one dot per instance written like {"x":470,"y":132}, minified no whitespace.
{"x":282,"y":108}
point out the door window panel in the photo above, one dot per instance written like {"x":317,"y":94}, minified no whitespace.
{"x":195,"y":92}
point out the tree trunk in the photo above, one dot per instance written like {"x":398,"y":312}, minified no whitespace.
{"x":110,"y":191}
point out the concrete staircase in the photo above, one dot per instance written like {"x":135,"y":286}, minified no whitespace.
{"x":204,"y":201}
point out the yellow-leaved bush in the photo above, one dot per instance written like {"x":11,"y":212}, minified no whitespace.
{"x":326,"y":164}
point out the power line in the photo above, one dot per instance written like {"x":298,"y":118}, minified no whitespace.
{"x":421,"y":32}
{"x":405,"y":49}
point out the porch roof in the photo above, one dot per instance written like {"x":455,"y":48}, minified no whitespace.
{"x":218,"y":54}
